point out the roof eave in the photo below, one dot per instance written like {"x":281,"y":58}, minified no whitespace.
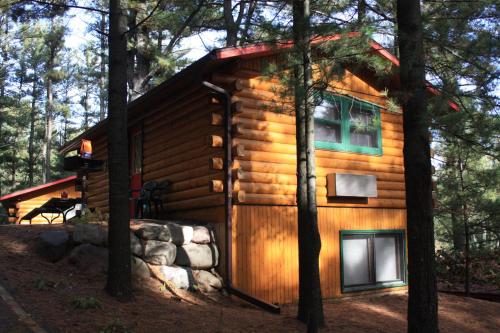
{"x":36,"y":188}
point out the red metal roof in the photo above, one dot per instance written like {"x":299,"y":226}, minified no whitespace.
{"x":37,"y":188}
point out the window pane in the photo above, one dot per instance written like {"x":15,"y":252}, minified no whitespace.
{"x":362,"y":127}
{"x":327,"y":110}
{"x":355,"y":261}
{"x":327,"y":132}
{"x":386,"y":258}
{"x":362,"y":138}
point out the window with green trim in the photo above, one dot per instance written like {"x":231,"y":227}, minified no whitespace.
{"x":347,"y":124}
{"x":372,"y":259}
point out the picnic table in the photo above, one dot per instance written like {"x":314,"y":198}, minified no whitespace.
{"x":53,"y":206}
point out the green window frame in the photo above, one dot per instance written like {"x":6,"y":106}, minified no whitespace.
{"x":345,"y":125}
{"x":370,"y":235}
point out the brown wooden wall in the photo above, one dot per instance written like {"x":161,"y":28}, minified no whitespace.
{"x":38,"y":198}
{"x":98,"y":186}
{"x":264,"y":130}
{"x":265,"y":257}
{"x":182,"y":143}
{"x":180,"y":140}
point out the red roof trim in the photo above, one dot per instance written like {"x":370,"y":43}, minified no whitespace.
{"x":436,"y":92}
{"x":269,"y":48}
{"x":37,"y":188}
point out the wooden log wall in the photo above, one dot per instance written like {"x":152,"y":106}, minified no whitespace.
{"x":265,"y":257}
{"x":98,"y":185}
{"x":182,"y":143}
{"x":38,"y":198}
{"x":264,"y":132}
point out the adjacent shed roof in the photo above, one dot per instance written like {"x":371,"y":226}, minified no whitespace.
{"x":32,"y":190}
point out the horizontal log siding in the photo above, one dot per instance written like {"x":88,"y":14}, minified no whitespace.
{"x":265,"y":257}
{"x":98,"y":185}
{"x":265,"y":127}
{"x":177,"y":147}
{"x":41,"y":197}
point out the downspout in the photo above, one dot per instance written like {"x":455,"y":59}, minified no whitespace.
{"x":228,"y":200}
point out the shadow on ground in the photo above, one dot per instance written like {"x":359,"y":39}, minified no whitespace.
{"x":48,"y":292}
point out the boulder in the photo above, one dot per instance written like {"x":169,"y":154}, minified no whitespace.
{"x":180,"y":234}
{"x":181,"y":277}
{"x":198,"y":256}
{"x":90,"y":233}
{"x":207,"y":281}
{"x":135,"y":245}
{"x":89,"y":258}
{"x":153,"y":231}
{"x":201,"y":235}
{"x":159,"y":253}
{"x":139,"y":268}
{"x":53,"y":245}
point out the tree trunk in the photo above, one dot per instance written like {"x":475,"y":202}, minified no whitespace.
{"x":47,"y":148}
{"x":31,"y":138}
{"x":310,"y":308}
{"x":119,"y":283}
{"x":466,"y":251}
{"x":102,"y":70}
{"x":422,"y":300}
{"x":461,"y":169}
{"x":86,"y":107}
{"x":361,"y":12}
{"x":457,"y":229}
{"x":231,"y":27}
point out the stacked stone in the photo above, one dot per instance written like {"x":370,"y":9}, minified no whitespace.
{"x":184,"y":254}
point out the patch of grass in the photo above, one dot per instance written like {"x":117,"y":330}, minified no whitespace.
{"x":116,"y":326}
{"x":42,"y":284}
{"x":84,"y":303}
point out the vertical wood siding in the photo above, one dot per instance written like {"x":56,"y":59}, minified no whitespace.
{"x":265,"y":256}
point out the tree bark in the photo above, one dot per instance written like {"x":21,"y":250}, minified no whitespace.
{"x":457,"y":229}
{"x":461,"y":169}
{"x":31,"y":138}
{"x":361,"y":12}
{"x":310,"y":308}
{"x":119,"y":282}
{"x":102,"y":69}
{"x":422,"y":300}
{"x":53,"y":46}
{"x":47,"y":146}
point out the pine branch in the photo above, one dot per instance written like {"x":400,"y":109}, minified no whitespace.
{"x":63,"y":5}
{"x":144,"y":19}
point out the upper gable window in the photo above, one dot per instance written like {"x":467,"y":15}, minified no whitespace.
{"x":345,"y":124}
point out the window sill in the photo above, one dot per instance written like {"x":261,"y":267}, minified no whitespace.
{"x":347,"y":149}
{"x":383,"y":285}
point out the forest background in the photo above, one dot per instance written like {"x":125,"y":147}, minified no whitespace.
{"x":53,"y":86}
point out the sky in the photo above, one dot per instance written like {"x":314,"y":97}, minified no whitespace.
{"x":78,"y":22}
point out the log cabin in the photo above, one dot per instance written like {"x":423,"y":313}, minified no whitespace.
{"x":224,"y":137}
{"x":20,"y":203}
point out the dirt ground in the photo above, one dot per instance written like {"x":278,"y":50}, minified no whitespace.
{"x":47,"y":291}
